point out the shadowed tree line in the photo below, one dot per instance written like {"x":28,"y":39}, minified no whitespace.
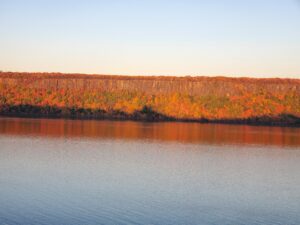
{"x":146,"y":114}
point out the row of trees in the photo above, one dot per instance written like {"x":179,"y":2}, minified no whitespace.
{"x":22,"y":99}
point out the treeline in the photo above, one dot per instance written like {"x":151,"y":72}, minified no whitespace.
{"x":241,"y":100}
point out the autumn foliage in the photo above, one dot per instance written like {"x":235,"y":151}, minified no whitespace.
{"x":274,"y":101}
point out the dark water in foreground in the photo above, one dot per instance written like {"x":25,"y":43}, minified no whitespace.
{"x":102,"y":172}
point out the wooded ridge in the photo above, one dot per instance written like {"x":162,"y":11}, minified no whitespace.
{"x":222,"y":99}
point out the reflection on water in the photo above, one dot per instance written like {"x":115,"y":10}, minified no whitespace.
{"x":144,"y":173}
{"x":166,"y":131}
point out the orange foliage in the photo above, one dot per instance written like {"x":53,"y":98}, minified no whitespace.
{"x":236,"y":99}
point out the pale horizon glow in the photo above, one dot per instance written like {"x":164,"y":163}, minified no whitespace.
{"x":253,"y":38}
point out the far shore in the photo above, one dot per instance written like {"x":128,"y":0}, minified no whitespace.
{"x":274,"y":102}
{"x":283,"y":121}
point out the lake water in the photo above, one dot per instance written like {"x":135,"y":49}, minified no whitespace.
{"x":102,"y":172}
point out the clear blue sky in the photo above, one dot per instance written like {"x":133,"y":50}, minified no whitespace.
{"x":258,"y":38}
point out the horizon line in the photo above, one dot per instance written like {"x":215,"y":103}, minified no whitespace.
{"x":155,"y":75}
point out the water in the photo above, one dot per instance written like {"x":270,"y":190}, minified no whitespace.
{"x":103,"y":172}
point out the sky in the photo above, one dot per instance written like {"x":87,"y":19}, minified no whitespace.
{"x":256,"y":38}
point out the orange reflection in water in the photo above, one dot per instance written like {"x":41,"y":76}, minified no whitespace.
{"x":164,"y":131}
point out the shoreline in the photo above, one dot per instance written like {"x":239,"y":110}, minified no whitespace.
{"x":272,"y":102}
{"x":259,"y":121}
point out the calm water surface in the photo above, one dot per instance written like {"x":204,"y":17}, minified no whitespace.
{"x":103,"y":172}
